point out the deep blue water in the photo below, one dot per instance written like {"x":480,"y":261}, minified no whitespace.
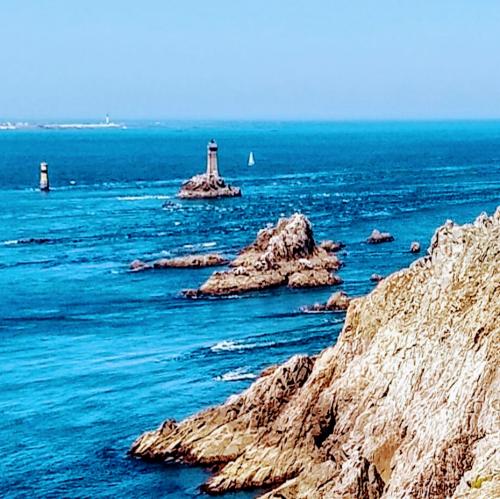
{"x":92,"y":355}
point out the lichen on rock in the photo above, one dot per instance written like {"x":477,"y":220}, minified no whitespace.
{"x":406,"y":404}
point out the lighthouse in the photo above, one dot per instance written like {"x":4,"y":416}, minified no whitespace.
{"x":44,"y":177}
{"x":212,"y":168}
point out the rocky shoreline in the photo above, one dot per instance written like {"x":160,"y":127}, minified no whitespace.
{"x":404,"y":405}
{"x":282,"y":255}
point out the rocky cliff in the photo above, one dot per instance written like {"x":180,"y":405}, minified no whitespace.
{"x":405,"y":405}
{"x":284,"y":254}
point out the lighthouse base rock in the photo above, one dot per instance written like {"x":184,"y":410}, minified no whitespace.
{"x":406,"y":404}
{"x":205,"y":186}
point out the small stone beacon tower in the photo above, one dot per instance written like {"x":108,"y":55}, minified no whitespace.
{"x":212,"y":166}
{"x":44,"y":177}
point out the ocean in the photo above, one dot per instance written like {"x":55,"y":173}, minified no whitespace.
{"x":92,"y":355}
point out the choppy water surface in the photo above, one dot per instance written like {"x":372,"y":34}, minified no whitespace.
{"x":92,"y":355}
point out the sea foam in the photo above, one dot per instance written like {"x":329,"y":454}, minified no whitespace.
{"x":236,"y":375}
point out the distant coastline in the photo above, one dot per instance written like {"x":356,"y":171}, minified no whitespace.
{"x":62,"y":126}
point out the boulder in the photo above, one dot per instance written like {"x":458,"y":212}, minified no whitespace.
{"x":138,"y":265}
{"x":378,"y":237}
{"x":415,"y":247}
{"x":331,"y":246}
{"x":376,"y":278}
{"x":338,"y":301}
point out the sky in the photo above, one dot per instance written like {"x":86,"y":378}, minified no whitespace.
{"x":253,"y":59}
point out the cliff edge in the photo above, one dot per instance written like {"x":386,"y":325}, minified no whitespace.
{"x":406,"y":404}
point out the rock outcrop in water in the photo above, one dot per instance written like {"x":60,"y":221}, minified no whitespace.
{"x":337,"y":302}
{"x":331,"y":246}
{"x":207,"y":186}
{"x":377,"y":237}
{"x":284,"y":254}
{"x":188,"y":261}
{"x":415,"y":247}
{"x":406,"y":404}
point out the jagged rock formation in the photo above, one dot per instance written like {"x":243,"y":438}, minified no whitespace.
{"x":377,"y":237}
{"x":405,"y":405}
{"x":189,"y":261}
{"x":337,"y":302}
{"x":284,"y":254}
{"x":207,"y":186}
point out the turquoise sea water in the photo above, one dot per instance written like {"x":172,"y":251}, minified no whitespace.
{"x":91,"y":355}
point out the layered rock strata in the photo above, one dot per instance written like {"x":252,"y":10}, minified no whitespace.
{"x":207,"y":186}
{"x":405,"y":405}
{"x":188,"y":261}
{"x":285,"y":254}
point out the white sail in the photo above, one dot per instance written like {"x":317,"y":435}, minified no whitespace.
{"x":251,"y":160}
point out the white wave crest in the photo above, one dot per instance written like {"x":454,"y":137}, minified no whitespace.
{"x":236,"y":375}
{"x":230,"y":346}
{"x":209,"y":244}
{"x":142,"y":198}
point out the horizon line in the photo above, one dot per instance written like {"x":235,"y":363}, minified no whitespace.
{"x":36,"y":121}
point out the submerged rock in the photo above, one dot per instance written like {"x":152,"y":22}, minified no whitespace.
{"x":284,"y":254}
{"x":406,"y":404}
{"x":415,"y":247}
{"x":337,"y":302}
{"x":377,"y":237}
{"x":189,"y":261}
{"x":207,"y":186}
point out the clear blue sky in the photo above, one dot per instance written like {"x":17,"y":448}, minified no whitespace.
{"x":250,"y":59}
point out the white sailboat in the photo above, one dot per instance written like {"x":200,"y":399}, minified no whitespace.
{"x":251,"y":160}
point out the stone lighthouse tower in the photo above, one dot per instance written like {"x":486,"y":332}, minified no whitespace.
{"x":44,"y":177}
{"x":212,"y":167}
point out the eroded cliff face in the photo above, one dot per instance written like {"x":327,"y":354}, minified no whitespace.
{"x":406,"y":404}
